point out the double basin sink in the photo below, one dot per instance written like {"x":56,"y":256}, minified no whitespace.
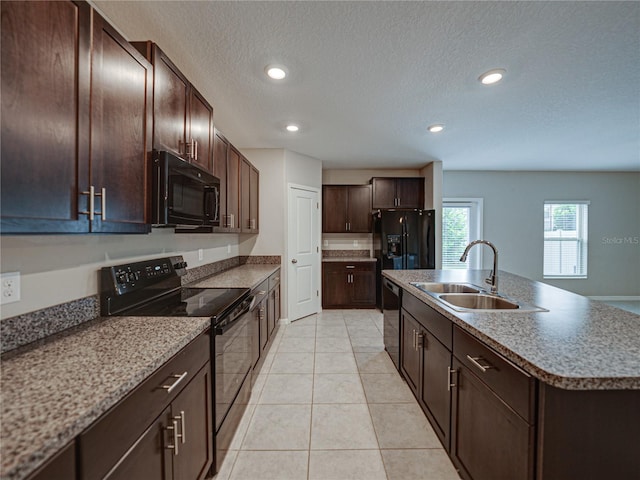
{"x":465,"y":297}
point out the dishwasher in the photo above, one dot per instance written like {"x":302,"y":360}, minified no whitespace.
{"x":391,"y":297}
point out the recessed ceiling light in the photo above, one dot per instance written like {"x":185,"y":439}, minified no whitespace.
{"x":292,"y":128}
{"x":275,"y":72}
{"x":436,"y":128}
{"x":492,"y":76}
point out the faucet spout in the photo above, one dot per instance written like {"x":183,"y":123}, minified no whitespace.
{"x":493,"y":276}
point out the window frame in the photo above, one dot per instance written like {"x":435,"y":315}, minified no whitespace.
{"x":581,"y":238}
{"x":475,"y":205}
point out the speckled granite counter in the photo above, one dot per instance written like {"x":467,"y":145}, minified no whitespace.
{"x":244,"y":276}
{"x":51,"y":392}
{"x":349,"y":259}
{"x":579,"y":344}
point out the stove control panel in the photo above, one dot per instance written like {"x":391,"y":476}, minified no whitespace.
{"x":131,"y":277}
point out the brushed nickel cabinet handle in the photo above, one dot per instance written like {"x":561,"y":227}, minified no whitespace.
{"x":450,"y":384}
{"x":476,"y":362}
{"x":174,"y":429}
{"x":182,"y":435}
{"x":179,"y":378}
{"x":92,"y":204}
{"x":103,"y":207}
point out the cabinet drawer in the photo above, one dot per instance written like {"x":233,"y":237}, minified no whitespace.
{"x":439,"y":325}
{"x":108,"y":439}
{"x":514,"y":386}
{"x":274,"y":280}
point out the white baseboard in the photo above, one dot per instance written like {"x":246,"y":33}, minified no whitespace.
{"x":624,"y":298}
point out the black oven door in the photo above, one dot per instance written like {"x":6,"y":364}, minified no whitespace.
{"x":232,"y":361}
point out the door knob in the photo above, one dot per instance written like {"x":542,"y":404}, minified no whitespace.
{"x":294,"y":261}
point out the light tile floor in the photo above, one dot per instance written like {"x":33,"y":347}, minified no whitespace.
{"x":329,"y":405}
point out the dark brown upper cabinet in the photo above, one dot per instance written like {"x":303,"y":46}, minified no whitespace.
{"x":182,"y":118}
{"x":76,"y":125}
{"x":346,"y":208}
{"x":397,"y":192}
{"x":249,"y":194}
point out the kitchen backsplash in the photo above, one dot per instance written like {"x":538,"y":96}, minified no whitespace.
{"x":345,"y":253}
{"x":33,"y":326}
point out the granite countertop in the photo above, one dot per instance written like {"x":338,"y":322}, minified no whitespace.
{"x":52,"y":391}
{"x":578,"y":344}
{"x":244,"y":276}
{"x":349,"y":259}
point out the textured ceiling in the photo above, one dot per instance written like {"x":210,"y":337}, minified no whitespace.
{"x":367,"y":78}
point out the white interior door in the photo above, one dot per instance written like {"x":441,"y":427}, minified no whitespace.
{"x":303,"y":252}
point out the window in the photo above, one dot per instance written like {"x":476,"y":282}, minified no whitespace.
{"x":461,"y":224}
{"x":565,"y":239}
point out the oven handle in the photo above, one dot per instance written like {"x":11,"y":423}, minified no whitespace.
{"x":220,"y":330}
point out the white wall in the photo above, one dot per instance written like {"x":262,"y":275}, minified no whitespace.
{"x":59,"y":268}
{"x":513,"y":220}
{"x":273,"y":201}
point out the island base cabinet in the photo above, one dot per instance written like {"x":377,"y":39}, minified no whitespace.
{"x":489,"y":441}
{"x":588,"y":434}
{"x":61,"y":467}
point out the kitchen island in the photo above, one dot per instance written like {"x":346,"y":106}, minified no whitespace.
{"x":569,"y":395}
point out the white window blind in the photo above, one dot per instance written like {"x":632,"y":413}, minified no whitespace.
{"x":461,"y":224}
{"x":565,"y":239}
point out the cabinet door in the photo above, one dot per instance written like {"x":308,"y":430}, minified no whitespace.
{"x":192,"y":410}
{"x":201,"y":130}
{"x":121,"y":83}
{"x":264,"y":324}
{"x":233,"y":190}
{"x":271,"y":313}
{"x":384,"y":193}
{"x":410,"y":192}
{"x":359,"y":209}
{"x":335,"y":287}
{"x":434,"y":389}
{"x":334,"y":208}
{"x":245,"y":196}
{"x":61,"y":467}
{"x":489,"y":440}
{"x":254,"y":195}
{"x":410,"y":355}
{"x":44,"y":115}
{"x":149,"y":457}
{"x":170,"y":105}
{"x":220,"y":149}
{"x":363,"y":286}
{"x":277,"y":304}
{"x":256,"y":348}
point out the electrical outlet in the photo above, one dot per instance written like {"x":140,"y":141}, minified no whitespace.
{"x":355,"y":243}
{"x":325,"y":243}
{"x":200,"y":254}
{"x":228,"y":248}
{"x":10,"y":283}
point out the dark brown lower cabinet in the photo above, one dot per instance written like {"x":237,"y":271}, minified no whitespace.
{"x":161,"y":430}
{"x":61,"y":467}
{"x":348,"y":285}
{"x":489,"y":441}
{"x":265,"y":316}
{"x":425,"y":364}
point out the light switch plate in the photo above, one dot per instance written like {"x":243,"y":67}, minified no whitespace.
{"x":10,"y":283}
{"x":200,"y":254}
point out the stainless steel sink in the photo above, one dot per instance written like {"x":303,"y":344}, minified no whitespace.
{"x":479,"y":301}
{"x":434,"y":287}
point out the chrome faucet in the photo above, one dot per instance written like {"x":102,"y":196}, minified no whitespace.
{"x":493,"y":276}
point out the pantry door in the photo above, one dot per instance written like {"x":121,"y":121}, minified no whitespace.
{"x":303,"y":251}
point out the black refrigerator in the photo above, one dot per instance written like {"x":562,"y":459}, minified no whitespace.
{"x":403,"y":240}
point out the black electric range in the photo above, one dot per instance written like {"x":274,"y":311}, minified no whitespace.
{"x":152,"y":288}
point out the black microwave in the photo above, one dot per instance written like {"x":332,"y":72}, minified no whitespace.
{"x":183,"y":193}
